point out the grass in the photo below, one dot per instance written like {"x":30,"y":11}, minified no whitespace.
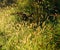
{"x":17,"y":36}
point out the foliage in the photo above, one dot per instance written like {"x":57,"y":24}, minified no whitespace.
{"x":17,"y":34}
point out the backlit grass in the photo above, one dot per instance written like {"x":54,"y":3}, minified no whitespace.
{"x":15,"y":35}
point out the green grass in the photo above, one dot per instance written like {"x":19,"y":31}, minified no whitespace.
{"x":17,"y":36}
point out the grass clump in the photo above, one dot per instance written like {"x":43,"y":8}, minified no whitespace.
{"x":16,"y":35}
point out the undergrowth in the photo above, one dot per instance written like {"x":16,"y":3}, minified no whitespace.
{"x":22,"y":35}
